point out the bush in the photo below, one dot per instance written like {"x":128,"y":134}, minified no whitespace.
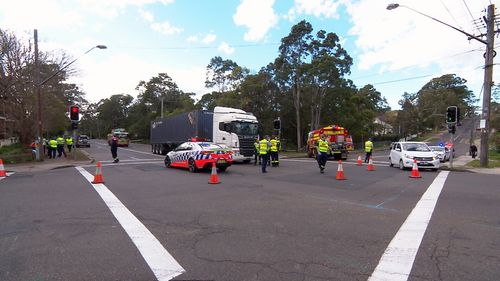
{"x":15,"y":153}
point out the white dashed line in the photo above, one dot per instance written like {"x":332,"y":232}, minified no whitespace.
{"x":397,"y":261}
{"x":163,"y":265}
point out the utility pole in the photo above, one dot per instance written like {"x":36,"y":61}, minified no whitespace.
{"x":488,"y":78}
{"x":39,"y":140}
{"x":488,"y":72}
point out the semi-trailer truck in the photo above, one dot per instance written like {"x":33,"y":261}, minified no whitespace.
{"x":232,"y":127}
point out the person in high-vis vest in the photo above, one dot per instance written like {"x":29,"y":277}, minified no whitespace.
{"x":52,"y":148}
{"x":322,"y":148}
{"x":368,"y":149}
{"x":264,"y":146}
{"x":114,"y":148}
{"x":275,"y":148}
{"x":256,"y":151}
{"x":69,"y":143}
{"x":60,"y":146}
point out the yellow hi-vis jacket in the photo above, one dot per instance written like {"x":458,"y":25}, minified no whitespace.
{"x":368,"y":146}
{"x":323,"y":146}
{"x":263,"y":147}
{"x":275,"y":145}
{"x":60,"y":141}
{"x":53,"y":143}
{"x":256,"y":145}
{"x":69,"y":141}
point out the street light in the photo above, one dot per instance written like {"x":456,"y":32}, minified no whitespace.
{"x":39,"y":153}
{"x":488,"y":72}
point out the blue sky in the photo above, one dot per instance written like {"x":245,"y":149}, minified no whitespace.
{"x":179,"y":37}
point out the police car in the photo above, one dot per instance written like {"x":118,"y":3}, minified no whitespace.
{"x":199,"y":155}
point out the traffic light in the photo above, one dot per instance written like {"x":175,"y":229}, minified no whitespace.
{"x":74,"y":113}
{"x":451,"y":115}
{"x":451,"y":128}
{"x":277,"y":124}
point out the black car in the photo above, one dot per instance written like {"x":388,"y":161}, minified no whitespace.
{"x":83,"y":140}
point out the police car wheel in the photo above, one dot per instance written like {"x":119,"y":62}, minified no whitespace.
{"x":401,"y":166}
{"x":192,"y":166}
{"x":167,"y":162}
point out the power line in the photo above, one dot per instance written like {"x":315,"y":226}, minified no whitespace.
{"x":195,"y":47}
{"x":404,"y":79}
{"x":415,"y":65}
{"x":467,"y":6}
{"x":451,"y":14}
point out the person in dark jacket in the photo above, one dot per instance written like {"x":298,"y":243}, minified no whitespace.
{"x":114,"y":148}
{"x":473,"y":151}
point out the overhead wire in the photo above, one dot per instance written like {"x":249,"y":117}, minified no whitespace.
{"x":451,"y":14}
{"x":467,"y":6}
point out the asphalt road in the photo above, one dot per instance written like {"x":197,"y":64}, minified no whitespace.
{"x":292,"y":223}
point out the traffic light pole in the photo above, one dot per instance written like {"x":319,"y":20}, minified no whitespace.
{"x":452,"y":141}
{"x":488,"y":77}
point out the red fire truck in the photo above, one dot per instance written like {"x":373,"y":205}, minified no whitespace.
{"x":339,"y":138}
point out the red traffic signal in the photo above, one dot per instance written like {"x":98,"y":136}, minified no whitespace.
{"x":74,"y":113}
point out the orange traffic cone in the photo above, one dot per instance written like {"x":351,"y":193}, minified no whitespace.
{"x":3,"y":174}
{"x":414,"y":171}
{"x":98,"y":175}
{"x":359,"y":161}
{"x":370,"y":165}
{"x":340,"y":172}
{"x":214,"y":178}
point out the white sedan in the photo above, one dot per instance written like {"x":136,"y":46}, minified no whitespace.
{"x":404,"y":154}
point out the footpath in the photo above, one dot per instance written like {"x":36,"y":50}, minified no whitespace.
{"x":49,"y":164}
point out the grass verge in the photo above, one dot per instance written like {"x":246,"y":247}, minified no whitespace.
{"x":493,"y":160}
{"x":15,"y":153}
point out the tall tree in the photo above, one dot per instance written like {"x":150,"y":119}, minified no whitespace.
{"x":226,"y":75}
{"x":440,"y":93}
{"x":294,"y":53}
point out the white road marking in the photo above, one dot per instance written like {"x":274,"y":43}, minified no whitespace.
{"x":128,"y":163}
{"x":397,"y":261}
{"x":163,"y":265}
{"x":8,"y":175}
{"x":343,"y":162}
{"x":111,"y":161}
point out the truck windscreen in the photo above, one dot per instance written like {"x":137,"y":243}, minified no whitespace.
{"x":244,"y":128}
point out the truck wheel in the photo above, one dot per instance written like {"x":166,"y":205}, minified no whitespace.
{"x":168,"y":162}
{"x":192,"y":166}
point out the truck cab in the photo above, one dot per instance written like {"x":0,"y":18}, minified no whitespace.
{"x":236,"y":129}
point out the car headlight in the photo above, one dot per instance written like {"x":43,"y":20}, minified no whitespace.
{"x":408,"y":156}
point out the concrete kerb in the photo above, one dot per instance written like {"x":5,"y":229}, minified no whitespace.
{"x":460,"y":165}
{"x":49,"y":164}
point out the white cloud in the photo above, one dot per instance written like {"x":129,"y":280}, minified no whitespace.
{"x":225,"y":48}
{"x":166,"y":28}
{"x":146,"y":15}
{"x":317,"y":8}
{"x":401,"y":38}
{"x":192,"y":39}
{"x":209,"y":38}
{"x":258,"y":16}
{"x":50,"y":14}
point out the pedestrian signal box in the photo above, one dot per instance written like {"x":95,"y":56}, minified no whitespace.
{"x":74,"y":113}
{"x":451,"y":115}
{"x":277,"y":124}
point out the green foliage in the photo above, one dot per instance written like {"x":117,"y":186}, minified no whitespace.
{"x":15,"y":153}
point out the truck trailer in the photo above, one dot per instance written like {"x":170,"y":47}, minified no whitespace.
{"x":232,"y":127}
